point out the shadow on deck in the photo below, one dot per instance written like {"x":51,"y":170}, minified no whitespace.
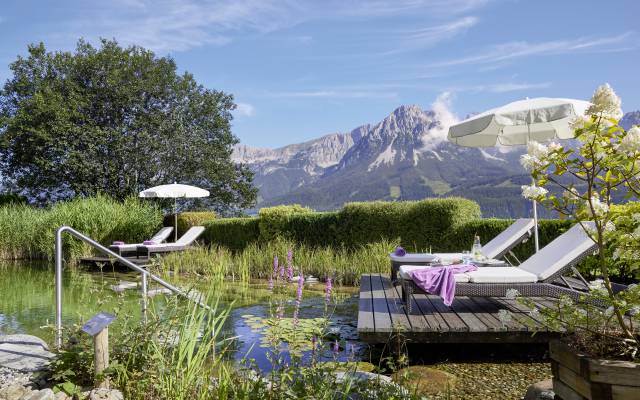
{"x":382,"y":314}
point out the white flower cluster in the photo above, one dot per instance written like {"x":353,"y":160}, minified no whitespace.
{"x":572,"y":194}
{"x":533,"y":192}
{"x":630,"y":144}
{"x":597,"y":286}
{"x":537,"y":154}
{"x":605,"y":102}
{"x":512,"y":294}
{"x":579,"y":122}
{"x":599,"y":208}
{"x":504,"y":316}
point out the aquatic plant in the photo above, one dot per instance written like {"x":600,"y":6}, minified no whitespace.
{"x":344,"y":266}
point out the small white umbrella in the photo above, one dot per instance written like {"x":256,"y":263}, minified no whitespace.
{"x":174,"y":191}
{"x":517,"y":123}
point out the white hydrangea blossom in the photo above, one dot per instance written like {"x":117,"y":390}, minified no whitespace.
{"x":537,"y":149}
{"x":571,"y":194}
{"x":565,"y":301}
{"x":605,"y":102}
{"x":632,"y":286}
{"x":609,"y":311}
{"x":533,"y":192}
{"x":579,"y":122}
{"x":630,"y":144}
{"x":599,"y":208}
{"x":635,"y":310}
{"x":530,"y":162}
{"x":504,"y":316}
{"x":512,"y":294}
{"x":597,"y":286}
{"x":553,"y":146}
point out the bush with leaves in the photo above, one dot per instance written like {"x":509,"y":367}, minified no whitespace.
{"x":606,"y":161}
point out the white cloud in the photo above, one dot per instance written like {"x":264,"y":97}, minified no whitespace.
{"x":245,"y":110}
{"x":512,"y":50}
{"x":429,"y":36}
{"x":369,"y":8}
{"x":503,"y":87}
{"x":442,"y":108}
{"x":176,"y":25}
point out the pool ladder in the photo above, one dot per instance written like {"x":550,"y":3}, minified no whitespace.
{"x":146,"y":275}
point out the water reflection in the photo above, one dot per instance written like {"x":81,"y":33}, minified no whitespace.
{"x":27,"y":305}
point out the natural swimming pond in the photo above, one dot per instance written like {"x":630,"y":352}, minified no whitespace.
{"x":27,"y":305}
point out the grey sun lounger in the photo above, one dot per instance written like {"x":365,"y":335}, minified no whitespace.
{"x":519,"y":231}
{"x":533,"y":278}
{"x":184,"y":242}
{"x":132,"y":248}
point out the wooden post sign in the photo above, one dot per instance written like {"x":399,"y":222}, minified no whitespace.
{"x":98,"y":327}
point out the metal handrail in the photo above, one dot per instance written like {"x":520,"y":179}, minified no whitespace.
{"x":145,"y":275}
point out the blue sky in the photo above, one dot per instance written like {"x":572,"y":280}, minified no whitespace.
{"x":300,"y":69}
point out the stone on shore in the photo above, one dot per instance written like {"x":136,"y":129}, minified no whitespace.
{"x":542,"y":390}
{"x":24,"y":353}
{"x":424,"y":380}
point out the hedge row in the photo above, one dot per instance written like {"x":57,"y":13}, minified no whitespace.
{"x":188,"y":219}
{"x":418,"y":224}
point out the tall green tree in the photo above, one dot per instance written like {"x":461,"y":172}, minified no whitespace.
{"x":115,"y":120}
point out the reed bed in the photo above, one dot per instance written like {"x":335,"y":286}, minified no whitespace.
{"x":343,"y":265}
{"x":29,"y":233}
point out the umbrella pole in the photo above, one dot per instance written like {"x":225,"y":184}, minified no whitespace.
{"x":535,"y":203}
{"x":175,"y":220}
{"x":535,"y":221}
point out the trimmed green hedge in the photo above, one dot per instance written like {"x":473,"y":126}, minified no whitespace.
{"x":417,"y":224}
{"x":188,"y":219}
{"x":274,"y":220}
{"x":232,"y":233}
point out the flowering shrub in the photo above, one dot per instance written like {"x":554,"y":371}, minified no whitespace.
{"x":606,"y":161}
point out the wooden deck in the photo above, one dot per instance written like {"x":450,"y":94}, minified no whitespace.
{"x":469,"y":320}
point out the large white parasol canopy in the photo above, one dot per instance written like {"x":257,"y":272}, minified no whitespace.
{"x":539,"y":119}
{"x":174,"y":191}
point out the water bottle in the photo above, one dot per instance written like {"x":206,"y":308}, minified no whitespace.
{"x":476,"y":249}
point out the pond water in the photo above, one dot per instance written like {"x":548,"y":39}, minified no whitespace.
{"x":27,"y":305}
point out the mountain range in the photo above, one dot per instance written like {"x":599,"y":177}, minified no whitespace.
{"x":403,"y":157}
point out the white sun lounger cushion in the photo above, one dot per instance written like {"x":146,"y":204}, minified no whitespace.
{"x":406,"y":269}
{"x":559,"y":253}
{"x":501,"y":275}
{"x":414,"y":257}
{"x":507,"y":238}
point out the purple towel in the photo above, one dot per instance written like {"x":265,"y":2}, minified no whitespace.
{"x":400,"y":252}
{"x":440,"y":280}
{"x":118,"y":243}
{"x":149,"y":243}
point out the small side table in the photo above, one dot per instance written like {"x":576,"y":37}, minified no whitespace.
{"x":410,"y":259}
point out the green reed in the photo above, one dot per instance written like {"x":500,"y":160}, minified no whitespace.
{"x":29,"y":233}
{"x":344,"y":265}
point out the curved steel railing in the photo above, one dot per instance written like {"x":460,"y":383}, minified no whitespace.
{"x":145,"y":276}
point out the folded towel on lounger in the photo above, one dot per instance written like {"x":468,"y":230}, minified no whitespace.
{"x":440,"y":280}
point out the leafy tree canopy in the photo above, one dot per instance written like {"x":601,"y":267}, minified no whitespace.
{"x":115,"y":120}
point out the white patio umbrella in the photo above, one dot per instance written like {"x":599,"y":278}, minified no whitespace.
{"x":174,"y":191}
{"x":539,"y":119}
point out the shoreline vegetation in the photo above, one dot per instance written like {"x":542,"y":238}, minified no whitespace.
{"x":243,"y":248}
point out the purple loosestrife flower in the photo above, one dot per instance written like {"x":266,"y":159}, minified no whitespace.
{"x":336,"y":347}
{"x":327,"y":291}
{"x":290,"y":265}
{"x":298,"y":299}
{"x":275,"y":265}
{"x":271,"y":282}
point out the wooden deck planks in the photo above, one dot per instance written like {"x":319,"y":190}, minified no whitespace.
{"x":365,"y":306}
{"x":469,"y":319}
